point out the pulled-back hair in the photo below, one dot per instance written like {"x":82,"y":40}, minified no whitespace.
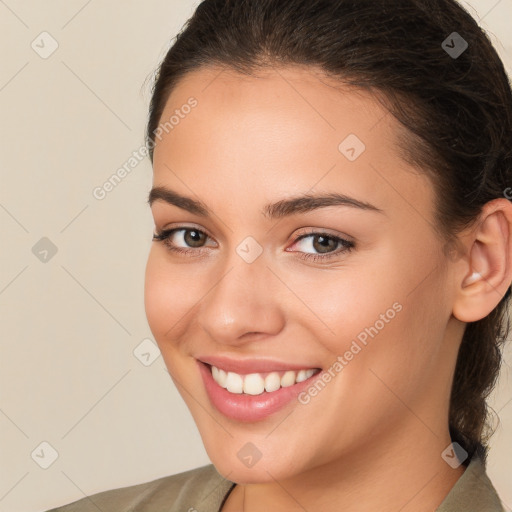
{"x":454,"y":113}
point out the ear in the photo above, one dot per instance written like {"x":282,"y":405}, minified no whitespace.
{"x":486,"y":274}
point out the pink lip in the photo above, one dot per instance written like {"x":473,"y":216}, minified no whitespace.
{"x":245,"y":366}
{"x":249,"y":408}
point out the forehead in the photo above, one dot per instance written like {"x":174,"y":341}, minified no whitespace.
{"x":284,"y":131}
{"x":305,"y":91}
{"x":291,"y":111}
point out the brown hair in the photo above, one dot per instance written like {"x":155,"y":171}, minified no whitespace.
{"x":455,"y":110}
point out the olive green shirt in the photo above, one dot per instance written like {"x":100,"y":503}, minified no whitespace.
{"x":205,"y":490}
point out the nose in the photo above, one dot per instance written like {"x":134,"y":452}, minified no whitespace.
{"x":244,"y":303}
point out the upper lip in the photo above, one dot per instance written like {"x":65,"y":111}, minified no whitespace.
{"x":245,"y":366}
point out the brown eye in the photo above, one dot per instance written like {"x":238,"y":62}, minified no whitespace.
{"x":193,"y":237}
{"x":183,"y":240}
{"x":324,"y":244}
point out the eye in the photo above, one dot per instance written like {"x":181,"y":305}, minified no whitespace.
{"x":190,"y":238}
{"x":326,"y":245}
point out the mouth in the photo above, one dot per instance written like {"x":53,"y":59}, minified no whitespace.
{"x":249,"y":396}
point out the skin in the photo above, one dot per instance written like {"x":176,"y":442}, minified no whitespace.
{"x":382,"y":422}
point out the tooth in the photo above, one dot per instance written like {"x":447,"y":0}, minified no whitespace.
{"x":310,"y":372}
{"x":272,"y":382}
{"x":301,"y":375}
{"x":222,"y":377}
{"x":234,"y":383}
{"x":288,"y":379}
{"x":254,"y":384}
{"x":219,"y":376}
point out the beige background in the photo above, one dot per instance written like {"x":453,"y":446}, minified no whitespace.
{"x":70,"y":325}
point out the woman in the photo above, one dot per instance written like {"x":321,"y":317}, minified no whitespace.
{"x":332,"y":255}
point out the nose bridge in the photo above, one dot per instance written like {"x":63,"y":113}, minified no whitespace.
{"x":243,"y":298}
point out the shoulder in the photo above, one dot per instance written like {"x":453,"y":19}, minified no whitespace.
{"x":201,"y":488}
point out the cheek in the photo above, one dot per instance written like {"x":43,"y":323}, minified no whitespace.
{"x":337,"y":305}
{"x":392,"y":349}
{"x":379,"y":313}
{"x":170,"y":293}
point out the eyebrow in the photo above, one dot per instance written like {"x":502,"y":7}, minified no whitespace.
{"x":285,"y":207}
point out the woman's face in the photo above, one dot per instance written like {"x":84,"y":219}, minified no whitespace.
{"x":266,"y":287}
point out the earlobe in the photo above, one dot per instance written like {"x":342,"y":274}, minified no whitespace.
{"x":488,"y":270}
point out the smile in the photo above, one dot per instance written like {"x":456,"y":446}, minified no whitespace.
{"x":255,"y":390}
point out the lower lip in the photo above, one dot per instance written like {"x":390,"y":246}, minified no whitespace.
{"x":245,"y":407}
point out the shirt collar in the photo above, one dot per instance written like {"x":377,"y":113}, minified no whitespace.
{"x":473,"y":492}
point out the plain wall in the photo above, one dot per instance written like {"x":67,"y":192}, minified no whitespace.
{"x":70,"y":324}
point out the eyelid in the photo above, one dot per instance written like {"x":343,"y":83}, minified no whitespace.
{"x":325,"y":231}
{"x":178,"y":227}
{"x":165,"y":234}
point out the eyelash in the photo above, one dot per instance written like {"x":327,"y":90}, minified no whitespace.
{"x":347,"y":246}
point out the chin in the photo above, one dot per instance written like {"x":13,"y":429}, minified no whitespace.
{"x":233,"y":470}
{"x":236,"y":463}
